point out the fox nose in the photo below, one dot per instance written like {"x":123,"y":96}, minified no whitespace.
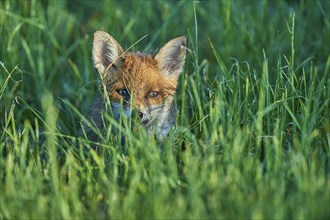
{"x":140,"y":114}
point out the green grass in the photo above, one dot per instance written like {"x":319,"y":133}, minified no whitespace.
{"x":253,"y":132}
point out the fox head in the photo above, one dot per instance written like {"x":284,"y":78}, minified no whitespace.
{"x":142,"y":81}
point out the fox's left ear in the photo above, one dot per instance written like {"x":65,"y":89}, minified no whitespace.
{"x":171,"y":57}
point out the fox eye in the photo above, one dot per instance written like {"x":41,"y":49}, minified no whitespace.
{"x":153,"y":94}
{"x":122,"y":92}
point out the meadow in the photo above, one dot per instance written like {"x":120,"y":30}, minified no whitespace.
{"x":252,"y":138}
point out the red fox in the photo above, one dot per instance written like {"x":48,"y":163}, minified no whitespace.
{"x":140,"y":81}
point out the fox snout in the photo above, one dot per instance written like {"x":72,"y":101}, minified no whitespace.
{"x":142,"y":116}
{"x":136,"y":112}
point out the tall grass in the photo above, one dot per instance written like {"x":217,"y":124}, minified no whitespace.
{"x":252,"y":138}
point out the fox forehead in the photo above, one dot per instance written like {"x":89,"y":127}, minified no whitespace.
{"x":139,"y":70}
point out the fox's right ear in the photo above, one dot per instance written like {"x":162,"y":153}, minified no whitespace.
{"x":106,"y":52}
{"x":171,"y":57}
